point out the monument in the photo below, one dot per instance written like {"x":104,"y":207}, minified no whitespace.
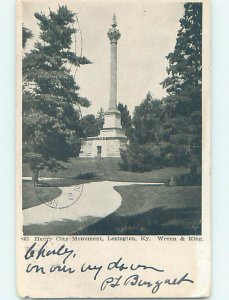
{"x":111,"y":138}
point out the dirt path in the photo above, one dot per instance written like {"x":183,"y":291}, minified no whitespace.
{"x":97,"y":200}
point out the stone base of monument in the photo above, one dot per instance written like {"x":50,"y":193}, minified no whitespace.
{"x":110,"y":141}
{"x":107,"y":144}
{"x":102,"y":147}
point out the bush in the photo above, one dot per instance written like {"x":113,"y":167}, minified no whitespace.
{"x":141,"y":158}
{"x":191,"y":179}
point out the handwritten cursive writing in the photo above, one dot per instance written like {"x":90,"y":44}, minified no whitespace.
{"x":122,"y":266}
{"x":43,"y":252}
{"x":111,"y":274}
{"x":86,"y":268}
{"x":136,"y":280}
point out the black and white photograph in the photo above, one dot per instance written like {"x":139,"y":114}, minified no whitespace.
{"x":113,"y":149}
{"x":112,"y":118}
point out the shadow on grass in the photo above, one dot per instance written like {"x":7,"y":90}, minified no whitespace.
{"x":88,"y":175}
{"x":63,"y":227}
{"x":157,"y":221}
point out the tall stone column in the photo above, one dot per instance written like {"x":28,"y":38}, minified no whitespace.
{"x":114,"y":36}
{"x":112,"y":118}
{"x":111,"y":139}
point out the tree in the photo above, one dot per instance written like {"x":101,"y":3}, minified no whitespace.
{"x":51,"y":117}
{"x":147,"y":120}
{"x":182,"y":129}
{"x":26,"y":35}
{"x":100,"y":119}
{"x":126,"y":121}
{"x":144,"y":150}
{"x":91,"y":124}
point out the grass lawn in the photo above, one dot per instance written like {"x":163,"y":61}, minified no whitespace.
{"x":99,"y":169}
{"x":153,"y":210}
{"x":30,"y":198}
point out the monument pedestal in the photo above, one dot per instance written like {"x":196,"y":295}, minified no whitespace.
{"x":110,"y":141}
{"x":112,"y":124}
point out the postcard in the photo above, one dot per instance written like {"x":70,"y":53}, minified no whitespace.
{"x":113,"y":149}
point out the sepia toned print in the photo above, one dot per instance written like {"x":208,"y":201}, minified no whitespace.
{"x":113,"y":148}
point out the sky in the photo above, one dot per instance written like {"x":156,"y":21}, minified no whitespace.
{"x":148,"y":33}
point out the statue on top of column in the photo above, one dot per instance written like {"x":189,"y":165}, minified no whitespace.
{"x":113,"y":32}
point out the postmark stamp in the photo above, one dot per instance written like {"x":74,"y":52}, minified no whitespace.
{"x":69,"y":195}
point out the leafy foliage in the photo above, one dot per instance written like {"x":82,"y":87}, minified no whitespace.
{"x":144,"y":150}
{"x":26,"y":35}
{"x":100,"y":118}
{"x":51,"y":102}
{"x":147,"y":120}
{"x":91,"y":124}
{"x":126,"y":120}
